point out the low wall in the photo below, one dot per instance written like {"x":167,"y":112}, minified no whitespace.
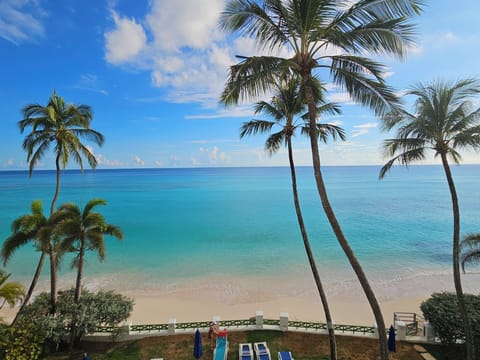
{"x":130,"y":331}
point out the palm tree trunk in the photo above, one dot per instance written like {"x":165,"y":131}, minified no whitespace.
{"x":36,"y":276}
{"x":78,"y":285}
{"x":311,"y":260}
{"x":53,"y":261}
{"x":53,"y":279}
{"x":469,"y":342}
{"x":382,"y":334}
{"x":57,"y":186}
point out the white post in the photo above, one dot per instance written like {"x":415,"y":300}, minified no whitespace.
{"x":284,"y":321}
{"x":375,"y":331}
{"x":127,"y":327}
{"x":259,"y":319}
{"x":429,"y":332}
{"x":216,"y":319}
{"x":401,"y":328}
{"x":171,"y":326}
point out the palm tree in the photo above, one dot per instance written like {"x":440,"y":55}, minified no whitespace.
{"x":470,"y":250}
{"x":62,"y":126}
{"x":28,"y":228}
{"x":82,"y":231}
{"x":310,"y":30}
{"x":445,"y":122}
{"x":10,"y":292}
{"x":283,"y":108}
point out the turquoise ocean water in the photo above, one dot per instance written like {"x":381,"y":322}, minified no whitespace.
{"x":189,"y":223}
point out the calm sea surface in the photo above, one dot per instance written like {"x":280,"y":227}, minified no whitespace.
{"x":187,"y":223}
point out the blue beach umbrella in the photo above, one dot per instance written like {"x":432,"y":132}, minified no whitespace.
{"x":391,"y":340}
{"x":197,"y":346}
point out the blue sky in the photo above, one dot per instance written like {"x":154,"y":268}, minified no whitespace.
{"x":152,"y":71}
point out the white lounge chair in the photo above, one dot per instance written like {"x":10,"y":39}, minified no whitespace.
{"x":221,"y":349}
{"x":262,"y":352}
{"x":285,"y":355}
{"x":245,"y":351}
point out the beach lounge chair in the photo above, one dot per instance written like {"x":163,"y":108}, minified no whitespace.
{"x":262,"y":352}
{"x":221,"y":349}
{"x":285,"y":355}
{"x":245,"y":351}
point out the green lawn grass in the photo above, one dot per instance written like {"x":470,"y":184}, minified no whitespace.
{"x":303,"y":347}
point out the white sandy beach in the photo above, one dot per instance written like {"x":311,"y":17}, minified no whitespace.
{"x":240,"y":298}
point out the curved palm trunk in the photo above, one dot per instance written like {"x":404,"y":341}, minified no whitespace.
{"x":469,"y":342}
{"x":78,"y":285}
{"x":311,"y":260}
{"x":53,"y":279}
{"x":357,"y":268}
{"x":36,"y":276}
{"x":51,"y":249}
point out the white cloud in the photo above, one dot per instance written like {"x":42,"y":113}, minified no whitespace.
{"x":363,"y":129}
{"x":449,"y":37}
{"x":125,"y":42}
{"x":138,"y":161}
{"x":210,"y":156}
{"x":368,"y":125}
{"x":340,"y":97}
{"x":21,"y":21}
{"x":186,"y":23}
{"x":104,"y":161}
{"x":180,"y":44}
{"x":91,"y":82}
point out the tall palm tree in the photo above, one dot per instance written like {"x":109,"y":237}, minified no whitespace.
{"x":62,"y":126}
{"x":470,"y":250}
{"x":11,"y":291}
{"x":31,"y":228}
{"x":285,"y":106}
{"x":81,"y":231}
{"x":444,"y":121}
{"x":310,"y":30}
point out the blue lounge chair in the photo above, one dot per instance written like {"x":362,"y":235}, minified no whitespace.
{"x":262,"y":352}
{"x":221,"y":349}
{"x":245,"y":351}
{"x":285,"y":355}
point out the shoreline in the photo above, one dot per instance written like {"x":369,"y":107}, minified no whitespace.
{"x":233,"y":298}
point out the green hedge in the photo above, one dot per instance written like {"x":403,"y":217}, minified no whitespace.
{"x":441,"y":310}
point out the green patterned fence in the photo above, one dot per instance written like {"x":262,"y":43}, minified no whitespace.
{"x":241,"y":324}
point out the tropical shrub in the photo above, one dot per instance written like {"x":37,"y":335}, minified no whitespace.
{"x":22,"y":341}
{"x":104,"y":308}
{"x":442,"y":311}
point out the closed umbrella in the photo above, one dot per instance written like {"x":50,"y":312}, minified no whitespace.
{"x":391,"y":340}
{"x":197,"y":346}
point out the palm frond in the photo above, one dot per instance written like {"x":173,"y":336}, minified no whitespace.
{"x":265,"y":23}
{"x":274,"y":141}
{"x":374,"y":26}
{"x":362,"y":79}
{"x":91,"y":205}
{"x":252,"y":77}
{"x":470,"y":250}
{"x":254,"y":127}
{"x":405,"y":158}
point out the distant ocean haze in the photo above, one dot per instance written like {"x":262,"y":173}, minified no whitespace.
{"x":187,"y":225}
